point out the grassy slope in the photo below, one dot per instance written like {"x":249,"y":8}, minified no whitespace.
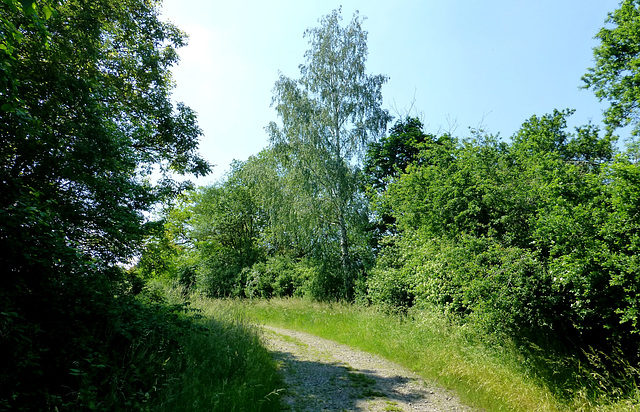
{"x":485,"y":376}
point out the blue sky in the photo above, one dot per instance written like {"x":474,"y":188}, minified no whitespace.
{"x":458,"y":63}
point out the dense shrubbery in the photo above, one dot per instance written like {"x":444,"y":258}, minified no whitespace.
{"x":525,"y":238}
{"x":502,"y":288}
{"x":75,"y":346}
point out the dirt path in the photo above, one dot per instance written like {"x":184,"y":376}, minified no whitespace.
{"x":322,"y":375}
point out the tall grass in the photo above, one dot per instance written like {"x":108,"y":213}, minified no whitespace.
{"x":495,"y":376}
{"x":223,"y":367}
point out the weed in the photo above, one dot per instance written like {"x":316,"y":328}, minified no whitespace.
{"x":224,"y":369}
{"x":360,"y":380}
{"x":366,"y":384}
{"x":392,"y":407}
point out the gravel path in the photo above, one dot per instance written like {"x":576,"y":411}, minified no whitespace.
{"x":322,"y":375}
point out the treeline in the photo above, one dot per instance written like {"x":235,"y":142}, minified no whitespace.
{"x":536,"y":234}
{"x":535,"y":237}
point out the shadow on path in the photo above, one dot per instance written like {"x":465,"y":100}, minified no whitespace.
{"x":315,"y":385}
{"x":322,"y":375}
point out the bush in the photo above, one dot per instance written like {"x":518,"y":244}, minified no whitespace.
{"x":502,"y":289}
{"x":85,"y":349}
{"x":391,"y":289}
{"x":279,"y":276}
{"x":220,"y":275}
{"x":391,"y":283}
{"x":329,"y":281}
{"x":187,"y":275}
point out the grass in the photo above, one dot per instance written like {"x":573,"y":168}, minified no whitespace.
{"x":365,"y":384}
{"x":392,"y":407}
{"x":494,"y":376}
{"x":223,"y":369}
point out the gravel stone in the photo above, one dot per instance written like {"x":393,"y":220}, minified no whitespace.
{"x":322,"y":375}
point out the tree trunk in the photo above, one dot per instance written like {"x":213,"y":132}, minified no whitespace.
{"x":344,"y":244}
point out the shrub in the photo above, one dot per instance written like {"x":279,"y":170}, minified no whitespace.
{"x":505,"y":289}
{"x":279,"y":276}
{"x":88,"y":350}
{"x":391,"y":289}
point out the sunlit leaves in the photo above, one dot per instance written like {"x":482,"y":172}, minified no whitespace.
{"x":615,"y":76}
{"x":328,"y":117}
{"x":537,"y":234}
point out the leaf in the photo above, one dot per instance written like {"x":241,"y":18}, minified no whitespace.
{"x":48,"y":11}
{"x":11,"y":4}
{"x":28,"y":7}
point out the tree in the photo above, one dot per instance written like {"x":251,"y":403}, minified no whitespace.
{"x":386,"y":160}
{"x":616,"y":76}
{"x":390,"y":156}
{"x":85,"y":119}
{"x":328,"y":117}
{"x":96,"y":117}
{"x":225,"y":227}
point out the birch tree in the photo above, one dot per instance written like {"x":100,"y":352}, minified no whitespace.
{"x":328,"y":116}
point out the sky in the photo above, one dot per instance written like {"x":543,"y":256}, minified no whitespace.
{"x":455,"y":64}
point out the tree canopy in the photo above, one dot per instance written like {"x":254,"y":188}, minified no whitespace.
{"x":89,"y":139}
{"x":328,"y":117}
{"x":615,"y":75}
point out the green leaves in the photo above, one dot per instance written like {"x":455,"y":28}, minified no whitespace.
{"x":28,"y":7}
{"x":617,"y":60}
{"x":537,"y":236}
{"x":328,"y":117}
{"x":48,"y":11}
{"x":85,"y":118}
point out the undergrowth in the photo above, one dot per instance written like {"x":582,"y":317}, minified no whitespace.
{"x":134,"y":353}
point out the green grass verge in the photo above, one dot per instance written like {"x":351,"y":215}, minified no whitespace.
{"x":224,"y":368}
{"x":492,"y":376}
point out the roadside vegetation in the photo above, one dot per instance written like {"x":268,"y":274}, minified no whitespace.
{"x":528,"y":243}
{"x":495,"y":376}
{"x":220,"y":365}
{"x":504,"y":268}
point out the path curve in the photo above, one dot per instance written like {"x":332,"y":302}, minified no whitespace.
{"x":322,"y":375}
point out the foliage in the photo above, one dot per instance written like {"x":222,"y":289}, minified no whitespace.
{"x":224,"y":366}
{"x":279,"y":276}
{"x":328,"y":117}
{"x":615,"y":75}
{"x":85,"y":119}
{"x":251,"y":229}
{"x":522,"y":238}
{"x":385,"y":160}
{"x":89,"y":350}
{"x":224,"y":231}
